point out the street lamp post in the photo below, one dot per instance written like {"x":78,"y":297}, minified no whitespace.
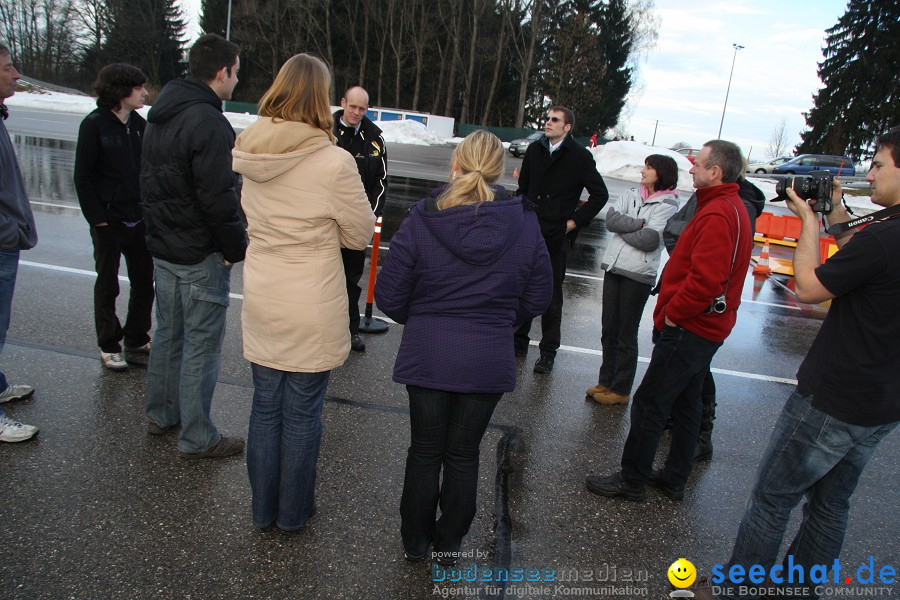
{"x":722,"y":120}
{"x":228,"y":26}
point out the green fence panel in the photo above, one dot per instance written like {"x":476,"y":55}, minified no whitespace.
{"x":507,"y":134}
{"x":239,"y":107}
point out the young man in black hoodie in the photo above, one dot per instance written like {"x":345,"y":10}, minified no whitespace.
{"x":360,"y":137}
{"x":195,"y":234}
{"x":107,"y":173}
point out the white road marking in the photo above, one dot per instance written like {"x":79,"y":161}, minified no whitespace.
{"x":576,"y":349}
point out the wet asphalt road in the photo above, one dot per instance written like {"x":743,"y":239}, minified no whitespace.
{"x":95,"y":508}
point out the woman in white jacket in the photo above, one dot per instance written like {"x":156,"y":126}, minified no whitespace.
{"x":304,"y":200}
{"x":631,"y":262}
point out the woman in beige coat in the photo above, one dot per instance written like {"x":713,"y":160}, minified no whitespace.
{"x":304,"y":200}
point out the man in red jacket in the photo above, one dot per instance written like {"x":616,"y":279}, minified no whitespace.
{"x":696,"y":310}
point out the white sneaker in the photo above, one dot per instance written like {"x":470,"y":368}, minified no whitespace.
{"x":114,"y":361}
{"x":16,"y":392}
{"x":13,"y":431}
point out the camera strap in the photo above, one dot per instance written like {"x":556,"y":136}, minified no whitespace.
{"x":736,"y":242}
{"x":880,"y":215}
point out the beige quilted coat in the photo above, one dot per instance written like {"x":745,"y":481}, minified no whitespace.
{"x":304,"y":200}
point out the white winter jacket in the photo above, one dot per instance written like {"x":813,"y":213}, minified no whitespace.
{"x":637,"y":226}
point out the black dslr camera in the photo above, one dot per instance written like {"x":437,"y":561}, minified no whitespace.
{"x":817,"y":185}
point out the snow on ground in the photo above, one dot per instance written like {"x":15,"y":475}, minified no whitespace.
{"x":617,"y":160}
{"x":408,"y":132}
{"x":624,"y":160}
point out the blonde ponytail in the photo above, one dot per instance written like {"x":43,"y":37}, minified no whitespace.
{"x":480,"y":160}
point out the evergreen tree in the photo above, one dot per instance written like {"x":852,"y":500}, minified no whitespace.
{"x":214,"y":16}
{"x":861,"y":77}
{"x":586,"y":62}
{"x":147,"y":34}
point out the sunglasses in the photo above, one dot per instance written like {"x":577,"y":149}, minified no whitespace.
{"x":554,"y":119}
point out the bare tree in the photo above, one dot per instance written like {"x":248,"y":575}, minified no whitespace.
{"x":524,"y":44}
{"x":505,"y":7}
{"x":456,"y":34}
{"x":477,"y":10}
{"x":778,"y":143}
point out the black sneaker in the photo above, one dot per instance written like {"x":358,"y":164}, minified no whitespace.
{"x":521,"y":350}
{"x":669,"y":490}
{"x":613,"y":486}
{"x":544,"y":364}
{"x":357,"y":344}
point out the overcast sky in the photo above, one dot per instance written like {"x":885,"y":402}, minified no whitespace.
{"x":682,"y":82}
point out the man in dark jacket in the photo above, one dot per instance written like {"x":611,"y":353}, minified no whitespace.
{"x":195,"y":234}
{"x":554,"y":172}
{"x":360,"y":137}
{"x":17,"y":232}
{"x":697,"y":307}
{"x":107,"y":172}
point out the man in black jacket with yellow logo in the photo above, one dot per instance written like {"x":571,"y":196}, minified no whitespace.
{"x":554,"y":172}
{"x":360,"y":137}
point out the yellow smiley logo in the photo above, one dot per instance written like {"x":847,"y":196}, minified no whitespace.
{"x":682,"y":573}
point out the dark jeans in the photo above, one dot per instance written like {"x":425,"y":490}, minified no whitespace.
{"x":446,"y":430}
{"x":671,"y":385}
{"x":111,"y":242}
{"x":354,"y":265}
{"x":283,"y":445}
{"x":623,"y":304}
{"x":550,"y":320}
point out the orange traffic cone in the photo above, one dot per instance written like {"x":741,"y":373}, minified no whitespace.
{"x":762,"y":265}
{"x":515,"y":171}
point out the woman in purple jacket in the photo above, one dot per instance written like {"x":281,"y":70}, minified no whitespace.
{"x":465,"y":267}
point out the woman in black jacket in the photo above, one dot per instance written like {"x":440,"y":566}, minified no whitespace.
{"x":107,"y":172}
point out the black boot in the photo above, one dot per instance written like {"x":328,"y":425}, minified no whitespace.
{"x":707,"y":416}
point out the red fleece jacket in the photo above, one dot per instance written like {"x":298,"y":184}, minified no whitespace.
{"x":702,"y":262}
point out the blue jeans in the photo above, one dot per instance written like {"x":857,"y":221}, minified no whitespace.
{"x":9,"y":268}
{"x":446,"y":431}
{"x":809,"y":455}
{"x":671,"y":385}
{"x":283,"y":445}
{"x":191,"y":302}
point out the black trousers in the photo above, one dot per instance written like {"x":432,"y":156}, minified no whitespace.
{"x":111,"y":242}
{"x":552,"y":319}
{"x":672,"y":385}
{"x":623,"y":305}
{"x":354,"y":265}
{"x":446,"y":429}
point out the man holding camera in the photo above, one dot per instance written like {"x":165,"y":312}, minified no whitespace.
{"x":696,"y":310}
{"x":848,"y":394}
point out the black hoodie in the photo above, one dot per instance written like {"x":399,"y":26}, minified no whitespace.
{"x":187,"y":184}
{"x":107,"y":166}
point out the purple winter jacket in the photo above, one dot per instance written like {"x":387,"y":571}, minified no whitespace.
{"x":460,"y":280}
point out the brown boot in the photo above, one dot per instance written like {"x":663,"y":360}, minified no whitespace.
{"x":595,"y":390}
{"x":610,"y":397}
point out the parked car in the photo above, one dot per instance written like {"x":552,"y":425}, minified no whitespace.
{"x":767,"y":166}
{"x":689,"y":153}
{"x":803,"y":164}
{"x":518,"y":147}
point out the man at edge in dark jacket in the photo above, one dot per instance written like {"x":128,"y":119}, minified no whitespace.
{"x":360,"y":137}
{"x":554,"y":172}
{"x":107,"y":173}
{"x":195,"y":234}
